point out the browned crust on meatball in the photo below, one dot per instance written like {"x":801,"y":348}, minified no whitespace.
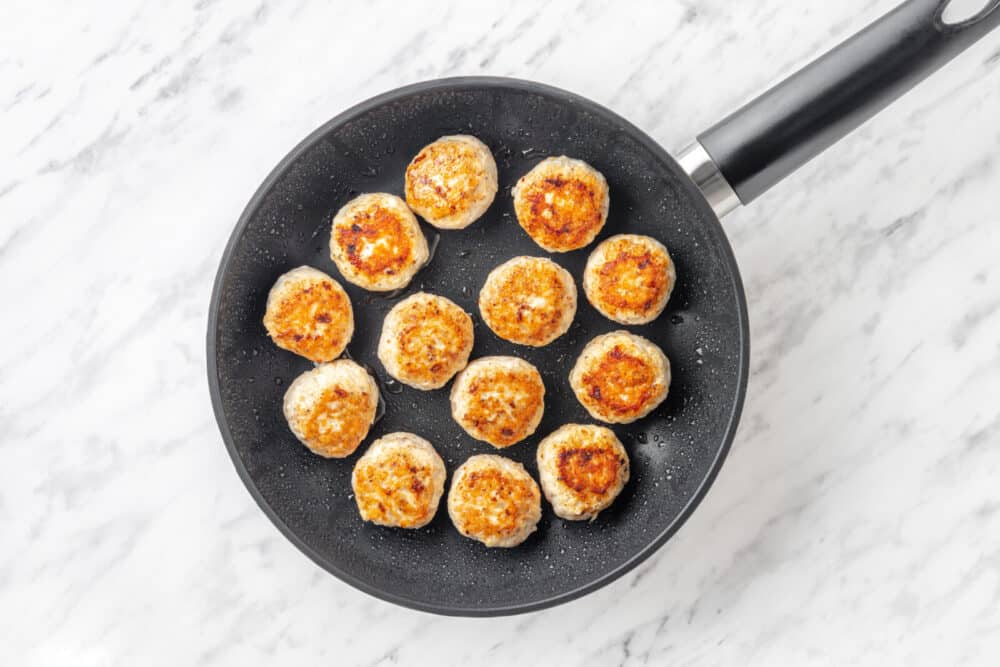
{"x":505,"y":302}
{"x":561,"y":211}
{"x":501,"y":418}
{"x":352,"y":410}
{"x":633,"y":282}
{"x":452,"y":160}
{"x":494,"y":503}
{"x":590,"y":470}
{"x":421,"y":327}
{"x":380,"y":498}
{"x":371,"y":224}
{"x":620,"y":383}
{"x":312,"y":320}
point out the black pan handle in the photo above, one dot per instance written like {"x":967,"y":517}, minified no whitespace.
{"x":798,"y":119}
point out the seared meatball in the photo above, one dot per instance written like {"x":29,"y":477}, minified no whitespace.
{"x":494,"y":500}
{"x":331,"y":407}
{"x":620,"y":377}
{"x":310,"y":314}
{"x":582,"y":469}
{"x":629,"y":278}
{"x":451,"y":182}
{"x":562,"y":203}
{"x":425,"y":340}
{"x":399,"y":481}
{"x":499,"y":400}
{"x":376,"y":242}
{"x":528,"y":300}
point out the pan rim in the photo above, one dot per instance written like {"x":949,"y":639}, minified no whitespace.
{"x":481,"y":611}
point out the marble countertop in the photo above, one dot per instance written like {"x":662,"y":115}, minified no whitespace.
{"x":857,"y":520}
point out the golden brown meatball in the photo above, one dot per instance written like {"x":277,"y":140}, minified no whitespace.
{"x":629,"y":278}
{"x":620,"y":377}
{"x":310,"y":314}
{"x":499,"y":400}
{"x":376,"y":242}
{"x":494,"y":500}
{"x":331,"y":407}
{"x":562,"y":203}
{"x":425,"y":340}
{"x":452,"y":182}
{"x":528,"y":300}
{"x":399,"y":481}
{"x":582,"y":469}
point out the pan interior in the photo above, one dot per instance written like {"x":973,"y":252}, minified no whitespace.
{"x":675,"y":452}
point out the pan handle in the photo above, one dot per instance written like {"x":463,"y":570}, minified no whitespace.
{"x":741,"y":157}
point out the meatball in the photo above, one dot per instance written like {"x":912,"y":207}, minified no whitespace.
{"x":499,"y":400}
{"x":310,"y":314}
{"x":452,"y":182}
{"x":331,"y":407}
{"x":399,"y":481}
{"x":562,"y":203}
{"x":376,"y":242}
{"x":494,"y":500}
{"x":582,"y":469}
{"x":629,"y":278}
{"x":620,"y":377}
{"x":425,"y":340}
{"x":528,"y":300}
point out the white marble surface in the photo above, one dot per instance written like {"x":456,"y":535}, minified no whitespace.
{"x":856,"y":521}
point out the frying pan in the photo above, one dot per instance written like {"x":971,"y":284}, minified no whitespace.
{"x":677,"y":451}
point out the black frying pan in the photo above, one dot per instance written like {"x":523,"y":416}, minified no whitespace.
{"x":676,"y":451}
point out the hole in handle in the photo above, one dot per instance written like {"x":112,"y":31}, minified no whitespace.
{"x":959,"y":11}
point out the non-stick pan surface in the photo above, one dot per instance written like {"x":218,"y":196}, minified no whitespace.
{"x":675,"y":452}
